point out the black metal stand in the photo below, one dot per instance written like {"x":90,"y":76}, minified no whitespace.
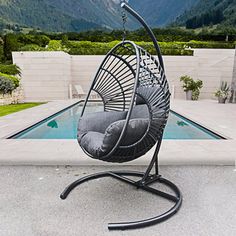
{"x":146,"y":180}
{"x":120,"y":175}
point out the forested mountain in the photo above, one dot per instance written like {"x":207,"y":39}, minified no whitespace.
{"x":210,"y":12}
{"x":40,"y":14}
{"x":79,"y":15}
{"x":161,"y":12}
{"x":106,"y":13}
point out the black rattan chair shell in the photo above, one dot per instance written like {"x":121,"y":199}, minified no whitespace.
{"x":128,"y":72}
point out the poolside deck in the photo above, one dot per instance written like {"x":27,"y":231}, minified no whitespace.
{"x":30,"y":203}
{"x":217,"y":117}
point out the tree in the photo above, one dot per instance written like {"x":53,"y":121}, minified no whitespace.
{"x":10,"y":44}
{"x":233,"y":84}
{"x":64,"y":39}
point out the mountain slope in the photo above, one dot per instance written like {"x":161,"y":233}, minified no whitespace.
{"x":39,"y":14}
{"x":161,"y":12}
{"x":78,"y":15}
{"x":208,"y":12}
{"x":104,"y":12}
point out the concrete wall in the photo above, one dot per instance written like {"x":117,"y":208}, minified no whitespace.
{"x":209,"y":65}
{"x":83,"y":70}
{"x":47,"y":75}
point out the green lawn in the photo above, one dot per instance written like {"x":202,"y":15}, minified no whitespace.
{"x":8,"y":109}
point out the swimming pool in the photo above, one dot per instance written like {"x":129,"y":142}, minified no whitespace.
{"x":63,"y":125}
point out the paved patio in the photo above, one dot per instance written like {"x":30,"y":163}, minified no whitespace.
{"x":217,"y":117}
{"x":30,"y":203}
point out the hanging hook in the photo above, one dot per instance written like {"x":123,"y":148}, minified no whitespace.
{"x":124,"y":18}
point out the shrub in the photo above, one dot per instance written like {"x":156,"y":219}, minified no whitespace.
{"x":101,"y":48}
{"x":223,"y":91}
{"x":6,"y":85}
{"x":168,"y":34}
{"x":56,"y":45}
{"x":14,"y":79}
{"x":191,"y":85}
{"x":40,"y":40}
{"x":90,"y":48}
{"x":10,"y":69}
{"x":31,"y":47}
{"x":97,"y":48}
{"x":209,"y":44}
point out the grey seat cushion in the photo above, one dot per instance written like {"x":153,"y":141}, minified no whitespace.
{"x":92,"y":143}
{"x":99,"y":138}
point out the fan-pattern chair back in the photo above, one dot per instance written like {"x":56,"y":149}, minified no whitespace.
{"x":115,"y":79}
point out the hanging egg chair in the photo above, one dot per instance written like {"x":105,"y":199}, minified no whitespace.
{"x":134,"y":91}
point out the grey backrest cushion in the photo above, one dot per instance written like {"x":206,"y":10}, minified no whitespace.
{"x":139,"y":100}
{"x":98,"y":121}
{"x":140,"y":111}
{"x":135,"y":130}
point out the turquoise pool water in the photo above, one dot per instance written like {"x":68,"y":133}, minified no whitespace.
{"x":64,"y":126}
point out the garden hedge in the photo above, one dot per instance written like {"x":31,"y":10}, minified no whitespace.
{"x":101,"y":48}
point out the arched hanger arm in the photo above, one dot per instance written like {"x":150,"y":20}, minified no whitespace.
{"x":147,"y":28}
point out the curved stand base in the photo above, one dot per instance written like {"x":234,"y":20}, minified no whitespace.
{"x":144,"y":185}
